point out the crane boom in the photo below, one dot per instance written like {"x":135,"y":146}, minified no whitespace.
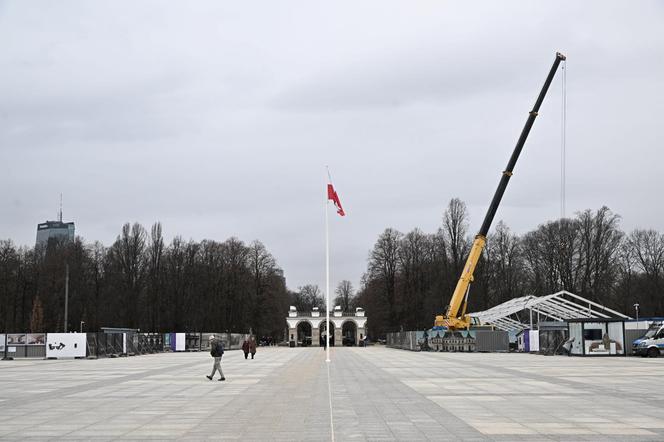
{"x":455,"y":317}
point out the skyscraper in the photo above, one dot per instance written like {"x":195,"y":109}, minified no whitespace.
{"x":55,"y":229}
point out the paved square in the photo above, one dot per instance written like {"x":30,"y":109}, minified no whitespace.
{"x":377,"y":394}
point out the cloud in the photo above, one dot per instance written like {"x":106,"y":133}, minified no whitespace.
{"x":217,"y":118}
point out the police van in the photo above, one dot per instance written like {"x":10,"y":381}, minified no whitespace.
{"x":652,"y":343}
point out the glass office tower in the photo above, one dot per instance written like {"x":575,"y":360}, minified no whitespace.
{"x":54,"y":229}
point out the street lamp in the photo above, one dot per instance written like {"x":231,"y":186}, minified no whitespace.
{"x":82,"y":322}
{"x":636,"y":307}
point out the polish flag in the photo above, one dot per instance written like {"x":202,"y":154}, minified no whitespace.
{"x":332,"y":195}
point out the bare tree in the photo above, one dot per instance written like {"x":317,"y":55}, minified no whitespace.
{"x":625,"y":291}
{"x":647,"y":248}
{"x":455,"y":227}
{"x":600,"y":238}
{"x":307,"y":297}
{"x":128,"y":252}
{"x":551,"y":254}
{"x":37,"y":316}
{"x":504,"y":266}
{"x":345,"y":294}
{"x":236,"y":274}
{"x":9,"y":263}
{"x":413,"y":256}
{"x":155,"y":255}
{"x":262,"y":266}
{"x":384,"y":266}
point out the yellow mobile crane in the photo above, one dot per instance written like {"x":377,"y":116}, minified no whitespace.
{"x":456,"y":318}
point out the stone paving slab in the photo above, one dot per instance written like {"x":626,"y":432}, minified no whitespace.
{"x":377,"y":394}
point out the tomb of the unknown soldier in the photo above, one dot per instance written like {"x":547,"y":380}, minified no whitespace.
{"x":308,"y":328}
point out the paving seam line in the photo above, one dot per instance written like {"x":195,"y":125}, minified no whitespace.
{"x":329,"y":395}
{"x":97,"y":384}
{"x":582,"y":387}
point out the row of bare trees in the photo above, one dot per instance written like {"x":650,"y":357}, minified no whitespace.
{"x":142,"y":282}
{"x":310,"y":296}
{"x":410,"y":277}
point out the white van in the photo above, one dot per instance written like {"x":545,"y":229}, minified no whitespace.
{"x":652,"y":343}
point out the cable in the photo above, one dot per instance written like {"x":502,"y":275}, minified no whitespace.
{"x":563,"y":140}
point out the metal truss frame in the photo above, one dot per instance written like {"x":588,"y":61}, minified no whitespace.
{"x":559,"y":306}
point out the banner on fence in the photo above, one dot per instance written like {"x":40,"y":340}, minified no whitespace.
{"x":16,"y":339}
{"x":36,"y":339}
{"x":65,"y":345}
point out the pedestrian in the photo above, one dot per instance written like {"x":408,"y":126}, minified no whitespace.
{"x":245,"y":348}
{"x":216,"y":351}
{"x":252,"y":346}
{"x":567,"y":346}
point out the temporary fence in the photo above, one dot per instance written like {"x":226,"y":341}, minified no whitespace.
{"x":231,"y":341}
{"x":450,"y":341}
{"x":630,"y":336}
{"x":23,"y":345}
{"x":405,"y":340}
{"x":492,"y":341}
{"x":107,"y":344}
{"x":134,"y":343}
{"x":551,"y":341}
{"x":113,"y":343}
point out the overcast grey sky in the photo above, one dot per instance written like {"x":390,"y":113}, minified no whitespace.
{"x":217,"y":118}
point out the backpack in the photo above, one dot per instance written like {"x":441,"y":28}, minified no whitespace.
{"x":217,"y":350}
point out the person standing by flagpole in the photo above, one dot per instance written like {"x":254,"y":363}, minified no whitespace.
{"x":331,"y":196}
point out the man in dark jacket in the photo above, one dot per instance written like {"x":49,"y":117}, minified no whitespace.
{"x":216,"y":351}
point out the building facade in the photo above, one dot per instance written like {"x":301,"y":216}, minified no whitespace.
{"x":54,"y":229}
{"x":309,"y":328}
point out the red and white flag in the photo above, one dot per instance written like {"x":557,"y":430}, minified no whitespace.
{"x":332,"y":195}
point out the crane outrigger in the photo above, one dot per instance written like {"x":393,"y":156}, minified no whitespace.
{"x":456,"y":317}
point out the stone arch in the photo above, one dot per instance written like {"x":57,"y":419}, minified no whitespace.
{"x":317,"y":324}
{"x":321,"y":330}
{"x":304,"y":330}
{"x":349,"y":333}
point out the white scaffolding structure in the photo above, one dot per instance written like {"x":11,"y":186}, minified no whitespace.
{"x":517,"y":314}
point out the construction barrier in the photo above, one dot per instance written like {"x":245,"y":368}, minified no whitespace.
{"x":492,"y":341}
{"x":450,"y":341}
{"x":109,"y":343}
{"x":23,"y":345}
{"x":406,"y":340}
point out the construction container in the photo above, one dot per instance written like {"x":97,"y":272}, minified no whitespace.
{"x":492,"y":341}
{"x":597,"y":337}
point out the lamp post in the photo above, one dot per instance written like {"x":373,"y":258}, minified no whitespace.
{"x":66,"y":297}
{"x":82,"y":322}
{"x":636,"y":307}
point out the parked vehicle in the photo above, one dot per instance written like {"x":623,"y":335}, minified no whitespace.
{"x":652,"y":343}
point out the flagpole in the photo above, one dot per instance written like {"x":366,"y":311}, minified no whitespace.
{"x":327,"y":279}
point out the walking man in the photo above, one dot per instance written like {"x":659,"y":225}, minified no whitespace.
{"x":216,"y":351}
